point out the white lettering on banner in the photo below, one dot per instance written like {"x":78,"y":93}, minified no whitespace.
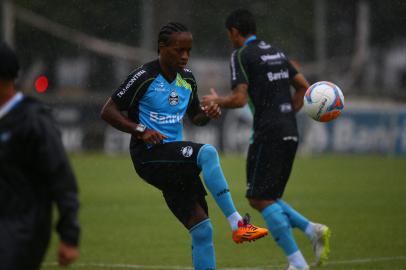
{"x":283,"y":74}
{"x":116,"y":141}
{"x":316,"y":138}
{"x":165,"y":119}
{"x":130,"y":83}
{"x":72,"y":138}
{"x":351,"y":136}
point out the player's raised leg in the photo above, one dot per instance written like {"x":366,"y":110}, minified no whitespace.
{"x":208,"y":161}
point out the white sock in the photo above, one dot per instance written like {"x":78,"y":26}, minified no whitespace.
{"x":309,"y":230}
{"x":233,"y":220}
{"x":297,"y":260}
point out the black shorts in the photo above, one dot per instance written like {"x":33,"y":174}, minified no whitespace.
{"x":269,"y":163}
{"x":172,"y":168}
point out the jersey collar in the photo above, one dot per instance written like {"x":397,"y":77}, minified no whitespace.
{"x":250,"y":39}
{"x":9,"y":105}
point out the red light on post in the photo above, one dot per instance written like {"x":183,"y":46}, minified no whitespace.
{"x":41,"y":84}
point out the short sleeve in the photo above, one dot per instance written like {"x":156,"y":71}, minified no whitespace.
{"x":127,"y":92}
{"x":292,"y":70}
{"x":238,"y":68}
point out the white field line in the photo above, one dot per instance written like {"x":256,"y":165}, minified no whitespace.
{"x":274,"y":266}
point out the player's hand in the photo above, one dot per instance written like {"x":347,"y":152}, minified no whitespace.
{"x":212,"y":110}
{"x":152,"y":136}
{"x":210,"y":98}
{"x":67,"y":254}
{"x":209,"y":105}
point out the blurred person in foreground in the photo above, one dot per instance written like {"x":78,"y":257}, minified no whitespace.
{"x":150,"y":105}
{"x":262,"y":75}
{"x":34,"y":174}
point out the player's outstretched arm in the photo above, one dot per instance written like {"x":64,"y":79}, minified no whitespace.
{"x":300,"y":84}
{"x":237,"y":99}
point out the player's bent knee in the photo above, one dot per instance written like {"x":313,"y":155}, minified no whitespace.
{"x":259,"y":204}
{"x":207,"y":154}
{"x":202,"y":233}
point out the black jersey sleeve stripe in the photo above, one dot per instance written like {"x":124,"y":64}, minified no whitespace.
{"x":194,"y":87}
{"x":138,"y":89}
{"x":240,"y":63}
{"x":292,"y":70}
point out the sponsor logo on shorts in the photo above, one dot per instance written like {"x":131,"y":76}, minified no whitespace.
{"x":290,"y":138}
{"x":173,"y":98}
{"x":285,"y":107}
{"x":187,"y":151}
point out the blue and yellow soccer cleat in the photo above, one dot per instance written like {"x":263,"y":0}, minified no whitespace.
{"x":321,"y":243}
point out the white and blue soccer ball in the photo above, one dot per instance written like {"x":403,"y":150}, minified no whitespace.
{"x":323,"y":101}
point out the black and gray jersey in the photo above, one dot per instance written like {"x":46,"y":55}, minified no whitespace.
{"x":267,"y":72}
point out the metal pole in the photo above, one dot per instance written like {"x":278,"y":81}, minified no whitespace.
{"x":8,"y":22}
{"x":320,"y":35}
{"x":147,"y":24}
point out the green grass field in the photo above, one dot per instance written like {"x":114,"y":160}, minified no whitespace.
{"x":126,"y":223}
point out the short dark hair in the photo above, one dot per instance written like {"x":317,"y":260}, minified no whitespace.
{"x":168,"y":29}
{"x":9,"y":66}
{"x":243,"y":21}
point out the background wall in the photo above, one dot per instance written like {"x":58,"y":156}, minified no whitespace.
{"x":85,"y":50}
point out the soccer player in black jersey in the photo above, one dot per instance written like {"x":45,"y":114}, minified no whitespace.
{"x":34,"y":174}
{"x":150,"y":105}
{"x":261,"y":75}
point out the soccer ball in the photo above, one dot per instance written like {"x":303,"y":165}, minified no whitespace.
{"x":323,"y":101}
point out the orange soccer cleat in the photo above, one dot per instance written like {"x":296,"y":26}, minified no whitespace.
{"x":247,"y":231}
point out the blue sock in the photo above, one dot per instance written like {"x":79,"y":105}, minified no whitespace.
{"x":280,"y":229}
{"x":213,"y":176}
{"x":295,"y":218}
{"x":202,"y":246}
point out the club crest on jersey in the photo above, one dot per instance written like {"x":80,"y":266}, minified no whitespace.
{"x":187,"y":151}
{"x":173,"y":98}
